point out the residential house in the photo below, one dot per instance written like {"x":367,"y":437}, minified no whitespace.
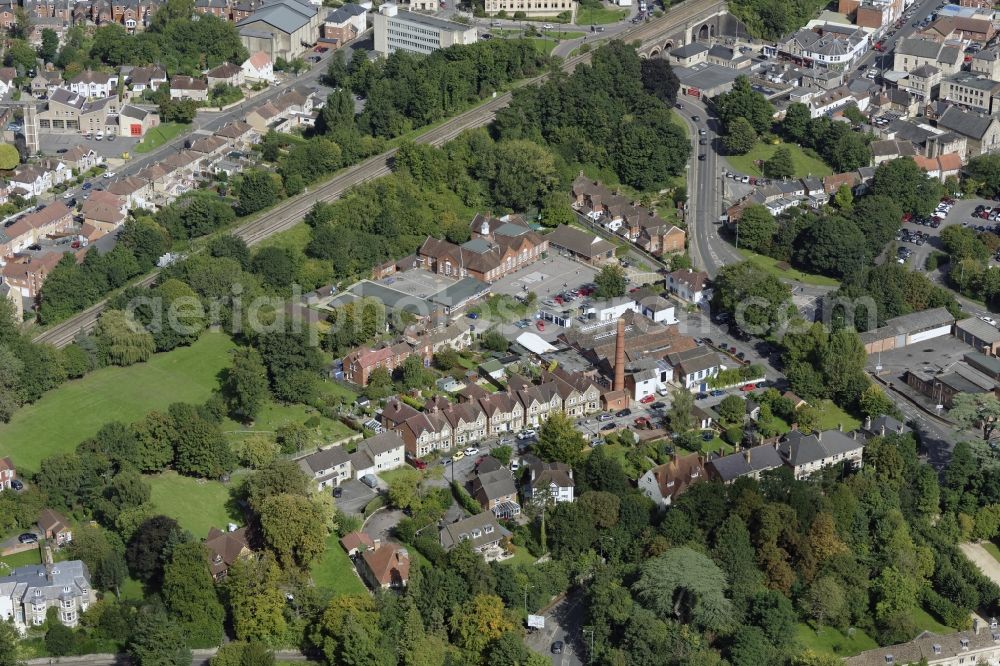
{"x":141,"y":79}
{"x":483,"y":532}
{"x":359,"y":364}
{"x":693,"y":368}
{"x":422,"y":432}
{"x":581,"y":245}
{"x":941,"y":167}
{"x":547,"y":483}
{"x":225,"y":549}
{"x":961,"y":28}
{"x":54,"y":218}
{"x":750,"y":463}
{"x":981,"y":645}
{"x":727,"y":56}
{"x":26,"y":274}
{"x":7,"y":473}
{"x":356,"y":542}
{"x":496,"y":492}
{"x":239,"y":134}
{"x":386,"y":567}
{"x":688,"y":285}
{"x":135,"y":121}
{"x":327,"y":468}
{"x":44,"y":83}
{"x":80,"y":158}
{"x":27,"y":593}
{"x":227,"y":74}
{"x":914,"y":52}
{"x":689,"y":54}
{"x":665,"y":483}
{"x":94,"y":84}
{"x":986,"y":63}
{"x":982,"y":132}
{"x":104,"y":211}
{"x":136,"y":192}
{"x":32,"y":179}
{"x":7,"y":80}
{"x":340,"y":26}
{"x":381,"y":453}
{"x":186,"y":87}
{"x":209,"y":146}
{"x":54,"y":527}
{"x":807,"y":454}
{"x":658,"y":309}
{"x":884,"y":425}
{"x":258,"y":68}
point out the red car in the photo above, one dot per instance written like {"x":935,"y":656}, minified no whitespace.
{"x":648,"y":399}
{"x":748,"y":387}
{"x":642,"y":422}
{"x":540,"y":325}
{"x":416,"y":462}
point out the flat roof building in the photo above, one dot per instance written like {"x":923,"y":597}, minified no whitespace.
{"x":416,"y":33}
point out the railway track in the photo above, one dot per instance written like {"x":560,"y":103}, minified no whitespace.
{"x":294,"y":210}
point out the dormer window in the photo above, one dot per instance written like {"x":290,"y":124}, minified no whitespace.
{"x":670,"y":483}
{"x":477,"y":533}
{"x":889,"y":659}
{"x":965,"y":643}
{"x":217,"y":559}
{"x":488,"y":529}
{"x":463,"y":536}
{"x":937,"y":648}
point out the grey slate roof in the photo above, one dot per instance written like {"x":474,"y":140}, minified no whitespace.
{"x":799,"y":449}
{"x":891,"y":425}
{"x":920,"y":48}
{"x":755,"y":460}
{"x":493,"y":485}
{"x":68,"y":579}
{"x":380,"y":444}
{"x":966,"y":123}
{"x":325,"y":459}
{"x":688,"y":50}
{"x":285,"y":15}
{"x":936,"y":648}
{"x":980,"y":329}
{"x":451,"y":534}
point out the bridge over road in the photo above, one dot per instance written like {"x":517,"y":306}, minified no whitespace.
{"x":697,"y":20}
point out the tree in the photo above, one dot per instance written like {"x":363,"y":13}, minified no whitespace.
{"x":9,"y":157}
{"x":238,"y":653}
{"x":902,"y":181}
{"x":479,"y":621}
{"x":189,"y":594}
{"x":874,"y":402}
{"x":233,"y":247}
{"x":680,"y":416}
{"x":740,"y":137}
{"x":257,"y":190}
{"x":686,"y":585}
{"x":524,"y":174}
{"x":294,"y":528}
{"x":849,"y":152}
{"x":610,"y":281}
{"x":759,"y":302}
{"x":732,"y":409}
{"x":833,"y":246}
{"x":151,"y":547}
{"x":843,"y":198}
{"x":659,"y":80}
{"x":60,"y":640}
{"x":796,"y":123}
{"x":751,"y":648}
{"x":201,"y":448}
{"x":154,"y":436}
{"x":379,"y":384}
{"x":895,"y":593}
{"x":8,"y":644}
{"x":337,"y":113}
{"x":976,"y":410}
{"x":158,"y":641}
{"x":122,"y":339}
{"x":744,"y":102}
{"x":756,"y":228}
{"x":559,"y":440}
{"x":50,"y":45}
{"x":246,"y":384}
{"x":494,"y":340}
{"x":844,"y":366}
{"x":825,"y":601}
{"x":780,"y":164}
{"x":276,"y":266}
{"x":556,"y":211}
{"x":256,"y":601}
{"x":878,"y":218}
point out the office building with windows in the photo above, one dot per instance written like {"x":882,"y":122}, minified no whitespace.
{"x":417,"y":33}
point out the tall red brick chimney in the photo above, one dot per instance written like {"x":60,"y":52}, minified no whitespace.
{"x":619,"y":384}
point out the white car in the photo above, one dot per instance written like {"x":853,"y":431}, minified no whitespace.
{"x":108,"y":174}
{"x":604,"y":417}
{"x":68,"y":195}
{"x":471,"y":451}
{"x":989,"y":320}
{"x":547,"y":26}
{"x":514,"y":465}
{"x":526,"y":434}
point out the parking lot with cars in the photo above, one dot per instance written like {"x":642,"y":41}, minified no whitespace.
{"x":918,"y":237}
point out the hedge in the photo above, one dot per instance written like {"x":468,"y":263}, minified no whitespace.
{"x":465,"y":499}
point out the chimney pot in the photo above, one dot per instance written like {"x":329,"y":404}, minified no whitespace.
{"x":882,"y":430}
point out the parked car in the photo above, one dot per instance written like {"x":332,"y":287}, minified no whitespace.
{"x":608,"y":426}
{"x":989,"y":320}
{"x":416,"y":462}
{"x":658,"y":405}
{"x":16,"y":484}
{"x":642,"y":422}
{"x":28,"y":537}
{"x":471,"y":451}
{"x":647,"y":399}
{"x":540,"y":325}
{"x":604,"y":417}
{"x":337,"y":491}
{"x":86,"y":186}
{"x":370,"y":480}
{"x":458,"y":456}
{"x":527,"y":434}
{"x":623,"y":412}
{"x":557,"y":647}
{"x":716,"y":393}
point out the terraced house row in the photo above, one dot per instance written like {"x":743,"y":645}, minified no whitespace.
{"x":442,"y":425}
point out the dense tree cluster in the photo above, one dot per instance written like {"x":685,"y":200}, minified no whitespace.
{"x":775,"y":19}
{"x":836,"y":142}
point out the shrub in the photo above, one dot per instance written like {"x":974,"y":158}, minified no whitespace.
{"x":464,"y":499}
{"x":733,"y":435}
{"x":429,"y":546}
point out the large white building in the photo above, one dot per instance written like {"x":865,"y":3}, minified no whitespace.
{"x":417,"y":33}
{"x":532,"y":8}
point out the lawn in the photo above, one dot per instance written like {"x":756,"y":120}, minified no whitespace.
{"x":197,"y":504}
{"x":831,"y":641}
{"x":561,"y":34}
{"x":770,"y":265}
{"x":992,"y":549}
{"x":587,"y":16}
{"x":76,"y":410}
{"x":803,"y":164}
{"x":274,"y":415}
{"x":924,"y":621}
{"x":335,"y":571}
{"x":156,"y":137}
{"x":521,"y":556}
{"x":831,"y":416}
{"x":33,"y":556}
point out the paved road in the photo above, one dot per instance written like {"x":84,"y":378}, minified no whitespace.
{"x":982,"y":559}
{"x":563,"y":622}
{"x":293,"y":210}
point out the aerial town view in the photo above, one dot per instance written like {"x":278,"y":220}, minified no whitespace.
{"x":499,"y":333}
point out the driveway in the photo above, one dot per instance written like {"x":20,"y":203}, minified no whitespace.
{"x":563,"y":622}
{"x":379,"y":527}
{"x":355,"y":496}
{"x":982,"y":559}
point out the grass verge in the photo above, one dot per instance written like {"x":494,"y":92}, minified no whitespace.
{"x":770,"y":266}
{"x":71,"y":413}
{"x":803,"y":164}
{"x":159,"y":135}
{"x":587,"y":16}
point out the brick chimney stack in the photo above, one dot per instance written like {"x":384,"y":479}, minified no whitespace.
{"x":619,"y":384}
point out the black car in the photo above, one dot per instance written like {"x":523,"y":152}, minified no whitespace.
{"x":338,"y":491}
{"x":701,"y":396}
{"x":557,"y":647}
{"x":701,"y":158}
{"x":658,"y":405}
{"x":28,"y":537}
{"x":707,"y":435}
{"x":702,"y":141}
{"x":697,"y":119}
{"x":609,"y":426}
{"x":623,"y":412}
{"x":16,"y":485}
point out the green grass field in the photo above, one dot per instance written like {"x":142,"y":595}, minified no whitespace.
{"x":831,"y":641}
{"x":559,"y":34}
{"x":77,"y":409}
{"x":275,"y":415}
{"x":33,"y":556}
{"x":334,"y":571}
{"x":831,"y":416}
{"x":770,"y":265}
{"x":588,"y":16}
{"x":992,"y":549}
{"x":544,"y":44}
{"x":804,"y":164}
{"x":521,"y":556}
{"x":160,"y":135}
{"x":924,"y":621}
{"x":196,"y":504}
